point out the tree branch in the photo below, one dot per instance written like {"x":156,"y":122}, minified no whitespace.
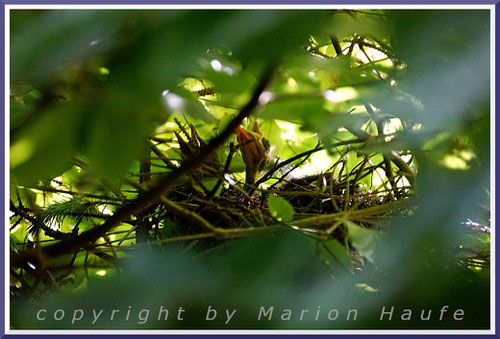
{"x":162,"y":186}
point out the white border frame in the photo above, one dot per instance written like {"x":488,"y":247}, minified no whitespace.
{"x":9,"y":331}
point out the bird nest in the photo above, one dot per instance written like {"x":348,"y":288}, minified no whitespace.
{"x":322,"y":203}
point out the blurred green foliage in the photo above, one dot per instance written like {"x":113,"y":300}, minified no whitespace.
{"x":89,"y":87}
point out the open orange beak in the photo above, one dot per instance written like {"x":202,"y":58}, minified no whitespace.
{"x":243,"y":135}
{"x":253,"y":152}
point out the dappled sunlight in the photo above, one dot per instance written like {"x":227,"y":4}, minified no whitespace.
{"x":101,"y":273}
{"x":20,"y":152}
{"x":192,"y":155}
{"x":173,"y":101}
{"x":340,"y":94}
{"x":372,"y":55}
{"x":458,"y":160}
{"x":288,"y":130}
{"x":317,"y":163}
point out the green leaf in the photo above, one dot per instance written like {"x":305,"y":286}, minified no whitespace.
{"x":185,"y":102}
{"x":339,"y":252}
{"x":58,"y":39}
{"x":106,"y":140}
{"x":364,"y":240}
{"x":44,"y":148}
{"x":366,"y":288}
{"x":293,"y":109}
{"x":280,"y":209}
{"x":14,"y":241}
{"x":272,"y":132}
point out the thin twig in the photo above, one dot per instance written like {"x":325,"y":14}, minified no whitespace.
{"x":161,"y":187}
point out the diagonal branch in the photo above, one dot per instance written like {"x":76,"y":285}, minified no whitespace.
{"x":318,"y":148}
{"x":161,"y":187}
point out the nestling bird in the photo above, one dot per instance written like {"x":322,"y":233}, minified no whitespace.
{"x":193,"y":146}
{"x":255,"y":151}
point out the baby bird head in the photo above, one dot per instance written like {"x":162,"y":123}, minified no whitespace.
{"x":254,"y":150}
